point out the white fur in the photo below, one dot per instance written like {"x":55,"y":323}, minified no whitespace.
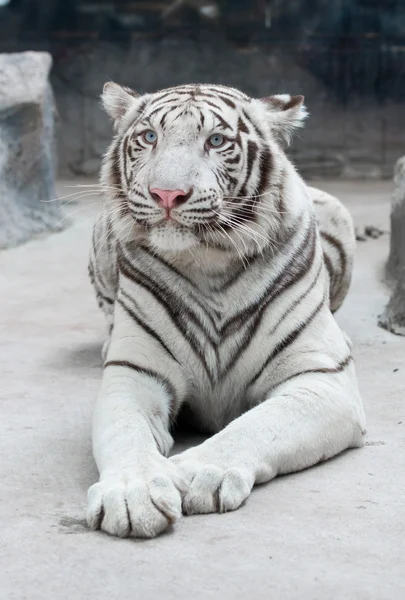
{"x":185,"y":285}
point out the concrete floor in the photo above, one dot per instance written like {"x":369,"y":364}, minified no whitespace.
{"x":336,"y":531}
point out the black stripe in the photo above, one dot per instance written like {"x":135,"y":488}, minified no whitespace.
{"x":139,"y":191}
{"x":329,"y":267}
{"x":96,"y":273}
{"x":141,"y":107}
{"x":104,"y":298}
{"x":199,"y":200}
{"x":252,"y":150}
{"x":218,"y":96}
{"x":241,"y":270}
{"x":265,"y":170}
{"x":232,"y":161}
{"x":171,"y":306}
{"x":218,"y":177}
{"x":116,"y":179}
{"x":109,"y":235}
{"x":280,"y":187}
{"x":184,"y":278}
{"x":276,"y":287}
{"x":287,"y":341}
{"x":228,"y":150}
{"x":166,"y":106}
{"x":144,"y":325}
{"x":242,"y":127}
{"x":249,"y":120}
{"x":125,"y":155}
{"x":338,"y":246}
{"x":198,"y":210}
{"x":155,"y":110}
{"x":319,"y":201}
{"x":140,"y":205}
{"x":232,"y":180}
{"x":227,"y":101}
{"x":141,"y":215}
{"x":228,"y":92}
{"x":222,"y":121}
{"x":209,"y":103}
{"x":150,"y":373}
{"x":163,"y":95}
{"x":341,"y":366}
{"x":251,"y":330}
{"x":115,"y":171}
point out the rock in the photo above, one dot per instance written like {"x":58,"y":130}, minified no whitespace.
{"x":27,"y":148}
{"x":393,"y":317}
{"x":373,"y":232}
{"x":396,"y":259}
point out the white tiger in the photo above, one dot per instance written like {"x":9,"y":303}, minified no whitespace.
{"x":208,"y":262}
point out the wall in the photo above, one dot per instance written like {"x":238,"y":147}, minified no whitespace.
{"x":346,"y":56}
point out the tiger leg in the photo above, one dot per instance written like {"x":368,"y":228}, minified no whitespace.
{"x":138,"y":492}
{"x":307,"y":420}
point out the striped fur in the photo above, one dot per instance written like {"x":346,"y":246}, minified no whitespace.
{"x":224,"y":309}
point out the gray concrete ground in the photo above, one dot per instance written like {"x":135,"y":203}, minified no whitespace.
{"x":336,"y":531}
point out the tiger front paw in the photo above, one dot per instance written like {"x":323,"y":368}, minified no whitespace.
{"x":212,"y":488}
{"x":136,"y":503}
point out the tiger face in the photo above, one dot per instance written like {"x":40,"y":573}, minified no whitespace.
{"x":196,"y":164}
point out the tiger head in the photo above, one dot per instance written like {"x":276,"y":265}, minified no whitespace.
{"x":198,"y":164}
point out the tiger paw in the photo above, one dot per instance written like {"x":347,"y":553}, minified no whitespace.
{"x":212,"y":488}
{"x":136,"y":503}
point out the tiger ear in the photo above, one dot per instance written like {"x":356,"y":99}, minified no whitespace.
{"x":117,"y":100}
{"x":287,"y":113}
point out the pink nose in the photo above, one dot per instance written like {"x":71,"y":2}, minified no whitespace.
{"x":169,"y":198}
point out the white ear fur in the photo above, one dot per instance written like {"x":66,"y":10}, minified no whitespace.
{"x":287,"y":113}
{"x":117,"y":100}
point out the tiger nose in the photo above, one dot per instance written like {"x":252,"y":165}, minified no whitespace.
{"x":169,"y":198}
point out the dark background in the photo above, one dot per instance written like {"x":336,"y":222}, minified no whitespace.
{"x":346,"y":56}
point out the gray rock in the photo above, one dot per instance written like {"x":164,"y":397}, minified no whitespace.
{"x":27,"y":148}
{"x":373,"y":232}
{"x":393,"y":317}
{"x":396,"y":259}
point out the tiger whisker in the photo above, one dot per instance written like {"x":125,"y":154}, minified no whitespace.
{"x":250,"y":197}
{"x":75,"y":194}
{"x":78,"y":197}
{"x":197,"y":261}
{"x":252,"y":234}
{"x":74,"y":213}
{"x":239,"y":236}
{"x":265,"y":208}
{"x":233,"y":243}
{"x":265,"y":218}
{"x":235,"y":225}
{"x":95,"y":185}
{"x":98,"y":246}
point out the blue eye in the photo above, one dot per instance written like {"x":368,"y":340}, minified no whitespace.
{"x":216,"y":140}
{"x":150,"y":136}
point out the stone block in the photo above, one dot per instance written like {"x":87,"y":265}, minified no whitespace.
{"x":393,"y":317}
{"x":28,"y":204}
